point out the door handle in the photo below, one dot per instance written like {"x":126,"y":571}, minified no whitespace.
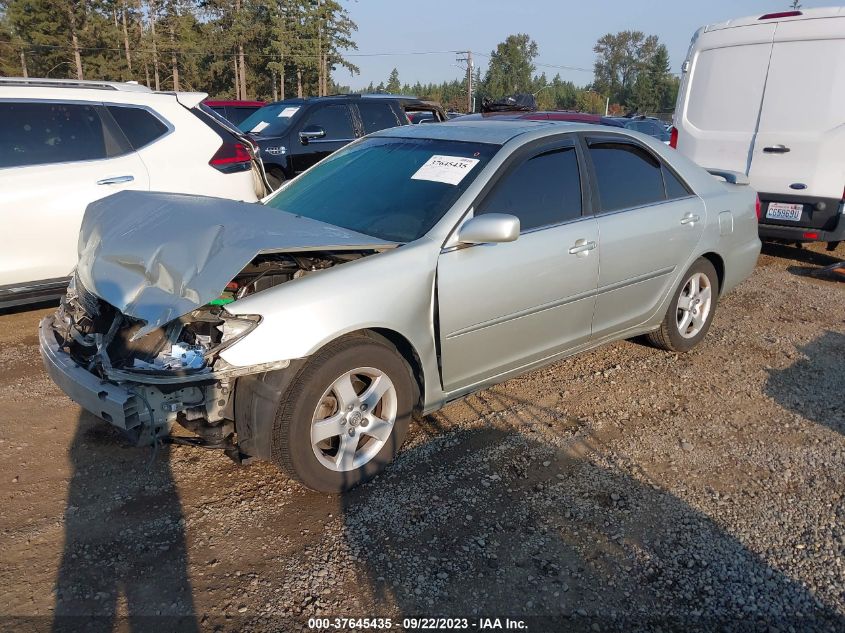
{"x":776,"y":149}
{"x":115,"y":180}
{"x":690,"y":218}
{"x":582,"y":247}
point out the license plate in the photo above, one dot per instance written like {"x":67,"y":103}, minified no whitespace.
{"x":784,"y":211}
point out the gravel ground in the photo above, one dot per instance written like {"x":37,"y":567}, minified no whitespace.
{"x":625,"y":489}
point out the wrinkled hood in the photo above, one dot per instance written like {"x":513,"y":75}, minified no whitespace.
{"x":157,"y":256}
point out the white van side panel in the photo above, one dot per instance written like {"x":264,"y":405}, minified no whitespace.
{"x":804,"y":111}
{"x":723,"y":95}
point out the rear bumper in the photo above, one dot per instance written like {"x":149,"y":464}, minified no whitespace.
{"x":111,"y":402}
{"x":822,"y":220}
{"x":803,"y":233}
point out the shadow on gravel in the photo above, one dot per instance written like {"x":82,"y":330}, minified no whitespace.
{"x":124,"y":539}
{"x":802,"y":255}
{"x":814,"y":386}
{"x":499,"y":522}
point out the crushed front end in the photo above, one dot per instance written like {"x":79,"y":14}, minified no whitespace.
{"x":143,"y":384}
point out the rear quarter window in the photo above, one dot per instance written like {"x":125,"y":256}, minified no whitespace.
{"x":140,"y":126}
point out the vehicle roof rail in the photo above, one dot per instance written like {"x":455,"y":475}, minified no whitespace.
{"x":126,"y":86}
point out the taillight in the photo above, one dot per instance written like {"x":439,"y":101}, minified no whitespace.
{"x":231,"y":157}
{"x":781,"y":14}
{"x":673,"y":137}
{"x":758,"y":208}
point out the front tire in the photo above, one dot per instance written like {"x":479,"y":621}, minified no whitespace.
{"x":690,"y":311}
{"x":345,"y":415}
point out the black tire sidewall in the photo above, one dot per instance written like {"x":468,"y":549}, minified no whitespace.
{"x":679,"y":343}
{"x":275,"y":176}
{"x":294,"y":416}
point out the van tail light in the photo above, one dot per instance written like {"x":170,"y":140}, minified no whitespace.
{"x":673,"y":137}
{"x":781,"y":14}
{"x":231,"y":157}
{"x":811,"y":236}
{"x":758,"y":208}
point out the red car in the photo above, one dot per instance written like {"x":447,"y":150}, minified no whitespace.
{"x":234,"y":111}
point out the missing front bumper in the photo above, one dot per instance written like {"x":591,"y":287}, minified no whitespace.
{"x":124,"y":407}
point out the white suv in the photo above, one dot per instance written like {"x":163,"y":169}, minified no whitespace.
{"x":64,"y":144}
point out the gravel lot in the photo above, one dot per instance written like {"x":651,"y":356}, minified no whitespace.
{"x":624,"y":489}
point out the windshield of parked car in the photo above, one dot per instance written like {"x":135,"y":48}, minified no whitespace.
{"x":391,"y":188}
{"x":271,"y":120}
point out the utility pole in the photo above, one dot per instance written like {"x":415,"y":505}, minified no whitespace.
{"x":468,"y":60}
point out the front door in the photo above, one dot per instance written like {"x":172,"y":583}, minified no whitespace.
{"x":504,"y":306}
{"x":332,"y":118}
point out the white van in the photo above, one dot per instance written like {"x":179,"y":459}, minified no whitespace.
{"x":765,"y":95}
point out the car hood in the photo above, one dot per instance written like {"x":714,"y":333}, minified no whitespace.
{"x":158,"y":256}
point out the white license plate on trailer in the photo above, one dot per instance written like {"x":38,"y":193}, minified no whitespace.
{"x":784,"y":211}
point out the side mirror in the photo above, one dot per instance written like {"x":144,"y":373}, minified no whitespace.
{"x":312,"y":132}
{"x":489,"y":228}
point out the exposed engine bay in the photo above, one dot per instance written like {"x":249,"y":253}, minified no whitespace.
{"x":188,"y":344}
{"x":175,"y":370}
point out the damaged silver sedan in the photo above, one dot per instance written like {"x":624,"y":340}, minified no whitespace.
{"x":412,"y":268}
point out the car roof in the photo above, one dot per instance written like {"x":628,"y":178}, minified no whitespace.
{"x":409,"y":99}
{"x":497,"y":133}
{"x":545,"y":115}
{"x":215,"y":102}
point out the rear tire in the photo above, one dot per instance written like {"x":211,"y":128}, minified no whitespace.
{"x":690,"y":310}
{"x":345,"y":414}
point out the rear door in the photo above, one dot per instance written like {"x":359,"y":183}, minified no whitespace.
{"x":55,"y":158}
{"x":721,"y":105}
{"x":649,"y":223}
{"x":798,"y":150}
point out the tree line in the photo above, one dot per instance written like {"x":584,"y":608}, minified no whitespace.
{"x":631,"y":74}
{"x":236,"y":49}
{"x":273,"y":49}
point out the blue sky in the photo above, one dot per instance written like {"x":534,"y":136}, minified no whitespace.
{"x":565,"y":31}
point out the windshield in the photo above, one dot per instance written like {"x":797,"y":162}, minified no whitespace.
{"x":391,"y":188}
{"x":271,"y":120}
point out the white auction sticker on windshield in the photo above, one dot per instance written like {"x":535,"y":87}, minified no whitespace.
{"x":448,"y":169}
{"x":288,"y":112}
{"x":259,"y":127}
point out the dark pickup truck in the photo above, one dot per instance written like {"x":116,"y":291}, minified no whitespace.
{"x":294,"y":134}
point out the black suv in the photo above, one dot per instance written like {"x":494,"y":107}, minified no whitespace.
{"x":296,"y":133}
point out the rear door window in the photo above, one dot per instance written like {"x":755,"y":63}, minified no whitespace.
{"x":141,"y":127}
{"x":44,"y":133}
{"x":626,"y":175}
{"x":542,"y":191}
{"x":334,"y":119}
{"x":376,"y":116}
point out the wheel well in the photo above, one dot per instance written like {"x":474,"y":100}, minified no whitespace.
{"x":404,"y":347}
{"x":719,"y":265}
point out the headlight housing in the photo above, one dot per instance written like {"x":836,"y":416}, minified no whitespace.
{"x":235,"y":328}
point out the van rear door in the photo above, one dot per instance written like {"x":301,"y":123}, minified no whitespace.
{"x":798,"y":147}
{"x":725,"y":85}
